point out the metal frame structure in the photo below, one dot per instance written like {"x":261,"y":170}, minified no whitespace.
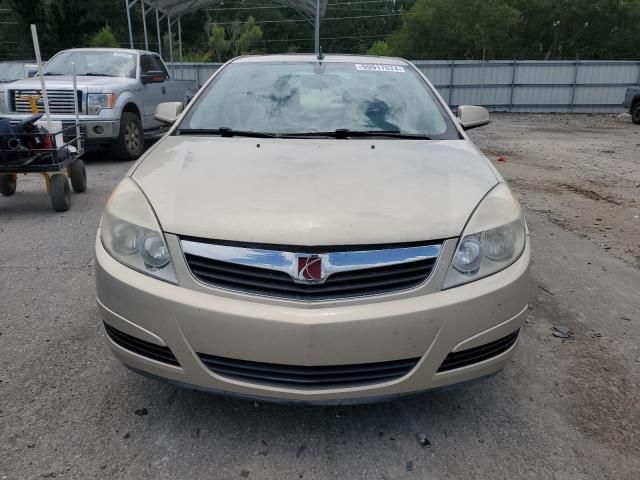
{"x":159,"y":17}
{"x":173,"y":10}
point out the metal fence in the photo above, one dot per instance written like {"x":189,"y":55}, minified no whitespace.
{"x":513,"y":85}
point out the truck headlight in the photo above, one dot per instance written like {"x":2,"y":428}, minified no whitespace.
{"x":493,"y":239}
{"x":131,"y":233}
{"x":96,"y":102}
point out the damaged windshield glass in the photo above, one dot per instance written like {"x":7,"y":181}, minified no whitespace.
{"x":290,"y":98}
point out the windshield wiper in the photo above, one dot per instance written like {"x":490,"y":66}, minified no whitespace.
{"x":346,"y":133}
{"x":225,"y":132}
{"x":95,"y":74}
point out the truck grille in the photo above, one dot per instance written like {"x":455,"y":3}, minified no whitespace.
{"x":60,"y":101}
{"x":296,"y":376}
{"x":276,"y":272}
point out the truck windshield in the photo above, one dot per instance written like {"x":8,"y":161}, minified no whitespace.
{"x":10,"y":71}
{"x":297,"y":98}
{"x":93,"y":63}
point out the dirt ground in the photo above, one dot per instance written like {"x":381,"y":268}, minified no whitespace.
{"x":581,"y":171}
{"x":563,"y":409}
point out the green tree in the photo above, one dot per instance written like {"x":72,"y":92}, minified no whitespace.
{"x":380,"y":48}
{"x":104,"y":38}
{"x":579,"y":28}
{"x":218,"y":43}
{"x":197,"y":56}
{"x":457,"y":29}
{"x":243,"y":36}
{"x":239,"y":38}
{"x":29,"y":12}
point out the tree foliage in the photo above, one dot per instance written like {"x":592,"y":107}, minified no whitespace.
{"x":419,"y":29}
{"x":519,"y":29}
{"x":104,"y":38}
{"x":238,"y":38}
{"x":218,"y":43}
{"x":381,"y":48}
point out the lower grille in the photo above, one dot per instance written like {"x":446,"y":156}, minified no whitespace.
{"x":470,"y":356}
{"x":308,"y":377}
{"x":141,"y":347}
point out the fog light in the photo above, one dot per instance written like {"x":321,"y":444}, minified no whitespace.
{"x":99,"y":130}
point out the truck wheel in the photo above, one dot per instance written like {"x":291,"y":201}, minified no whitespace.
{"x":60,"y":192}
{"x":635,"y":113}
{"x":130,"y":143}
{"x":78,"y":176}
{"x":8,"y":184}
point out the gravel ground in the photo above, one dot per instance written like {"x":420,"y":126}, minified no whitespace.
{"x":581,"y":171}
{"x":564,"y":408}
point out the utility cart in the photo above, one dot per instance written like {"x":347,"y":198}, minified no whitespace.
{"x":44,"y":147}
{"x":54,"y":152}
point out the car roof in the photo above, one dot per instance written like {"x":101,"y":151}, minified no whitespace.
{"x":99,"y":49}
{"x":308,"y":57}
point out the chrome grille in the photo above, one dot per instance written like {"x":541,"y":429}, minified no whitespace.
{"x":60,"y":101}
{"x":276,"y":273}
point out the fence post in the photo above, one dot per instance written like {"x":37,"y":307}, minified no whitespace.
{"x":573,"y":85}
{"x":483,"y":73}
{"x":513,"y":84}
{"x":451,"y":81}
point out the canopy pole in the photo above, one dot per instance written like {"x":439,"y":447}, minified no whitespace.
{"x":129,"y":23}
{"x":170,"y":46}
{"x":144,"y":26}
{"x":76,"y":108}
{"x":45,"y":99}
{"x":180,"y":38}
{"x":158,"y":30}
{"x":317,"y":27}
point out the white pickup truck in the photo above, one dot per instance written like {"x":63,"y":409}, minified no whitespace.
{"x":118,"y":90}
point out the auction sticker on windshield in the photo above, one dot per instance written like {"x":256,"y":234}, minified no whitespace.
{"x":372,"y":67}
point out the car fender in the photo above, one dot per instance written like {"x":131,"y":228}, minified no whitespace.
{"x":124,"y":98}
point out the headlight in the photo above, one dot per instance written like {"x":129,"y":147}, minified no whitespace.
{"x":493,"y":239}
{"x":131,"y":234}
{"x":98,"y":101}
{"x":3,"y":106}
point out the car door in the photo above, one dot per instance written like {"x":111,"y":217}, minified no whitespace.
{"x":152,"y":93}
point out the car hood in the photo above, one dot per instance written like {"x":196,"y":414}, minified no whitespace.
{"x":314,"y":192}
{"x":66,"y":82}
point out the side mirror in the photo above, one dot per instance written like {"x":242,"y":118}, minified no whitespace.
{"x":168,"y":112}
{"x":471,"y":116}
{"x":155,"y":76}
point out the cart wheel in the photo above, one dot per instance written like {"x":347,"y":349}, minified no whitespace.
{"x":78,"y":176}
{"x":60,"y":192}
{"x":8,"y":184}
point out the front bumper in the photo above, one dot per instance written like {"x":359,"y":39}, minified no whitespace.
{"x":428,"y":326}
{"x":97,"y":129}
